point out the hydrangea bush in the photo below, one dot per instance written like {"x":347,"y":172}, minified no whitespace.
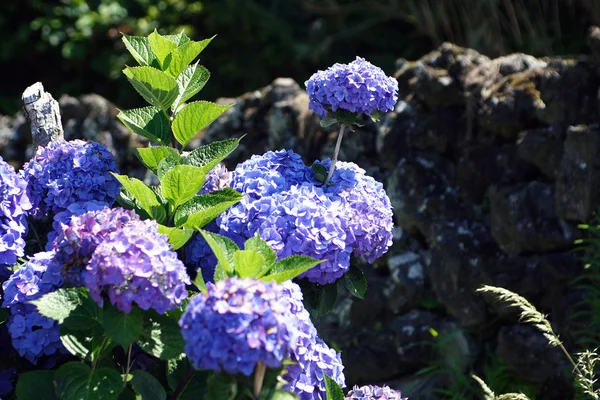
{"x":184,"y":289}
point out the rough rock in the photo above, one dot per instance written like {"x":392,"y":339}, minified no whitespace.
{"x":523,"y":219}
{"x":578,"y":176}
{"x":542,"y":147}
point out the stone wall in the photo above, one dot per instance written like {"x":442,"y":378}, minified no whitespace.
{"x":490,"y":165}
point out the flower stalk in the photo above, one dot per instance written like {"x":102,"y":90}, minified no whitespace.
{"x":336,"y":152}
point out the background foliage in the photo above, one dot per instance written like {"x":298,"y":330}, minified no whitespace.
{"x":63,"y":41}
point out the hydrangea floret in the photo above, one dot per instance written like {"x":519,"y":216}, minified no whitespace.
{"x":371,"y":392}
{"x":64,"y":173}
{"x":135,"y":264}
{"x":238,"y":324}
{"x":14,"y":208}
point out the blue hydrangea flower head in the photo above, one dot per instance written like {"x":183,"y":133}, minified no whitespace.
{"x":371,"y":392}
{"x":238,"y":323}
{"x":272,"y":172}
{"x":135,"y":264}
{"x":216,"y":179}
{"x":358,"y":87}
{"x":67,"y":172}
{"x":7,"y":376}
{"x":199,"y":256}
{"x":311,"y":356}
{"x":77,"y":239}
{"x":14,"y":208}
{"x":33,"y":335}
{"x":301,"y":220}
{"x":366,"y":207}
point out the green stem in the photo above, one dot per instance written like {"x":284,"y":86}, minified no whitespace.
{"x":335,"y":153}
{"x":128,"y":368}
{"x":182,"y":384}
{"x":95,"y":363}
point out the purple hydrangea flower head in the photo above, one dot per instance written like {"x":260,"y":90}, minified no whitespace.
{"x":135,"y":264}
{"x":33,"y":335}
{"x":216,"y":179}
{"x":301,"y":220}
{"x":67,"y":172}
{"x":272,"y":172}
{"x":358,"y":87}
{"x":199,"y":256}
{"x":238,"y":323}
{"x":311,"y":356}
{"x":14,"y":208}
{"x":63,"y":217}
{"x":366,"y":208}
{"x":371,"y":392}
{"x":77,"y":239}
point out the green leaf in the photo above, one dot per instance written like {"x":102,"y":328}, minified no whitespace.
{"x":149,"y":122}
{"x":36,"y":385}
{"x":156,"y":87}
{"x":190,"y":82}
{"x":177,"y":237}
{"x":327,"y":121}
{"x":147,"y":386}
{"x":199,"y":282}
{"x":58,"y":305}
{"x":333,"y":390}
{"x":208,"y":156}
{"x":204,"y":208}
{"x":181,"y":183}
{"x":259,"y":245}
{"x":326,"y":297}
{"x":144,"y":196}
{"x":221,"y":387}
{"x":320,"y":172}
{"x":375,"y":116}
{"x":178,"y":39}
{"x":166,"y":165}
{"x":196,"y":387}
{"x":183,"y":55}
{"x":161,"y":336}
{"x":283,"y":395}
{"x":140,"y":49}
{"x":161,"y":47}
{"x":356,"y":282}
{"x":289,"y":268}
{"x":84,"y":316}
{"x":248,"y":263}
{"x":77,"y":381}
{"x":151,"y":156}
{"x":122,"y":328}
{"x":193,"y":118}
{"x":223,"y":247}
{"x":87,"y":344}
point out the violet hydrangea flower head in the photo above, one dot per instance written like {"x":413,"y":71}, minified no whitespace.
{"x":33,"y":335}
{"x":135,"y":264}
{"x":14,"y":208}
{"x":358,"y":87}
{"x":237,"y":324}
{"x":216,"y":179}
{"x":63,"y":217}
{"x":77,"y":239}
{"x":311,"y":356}
{"x":366,"y":207}
{"x":67,"y":172}
{"x":302,"y":220}
{"x":371,"y":392}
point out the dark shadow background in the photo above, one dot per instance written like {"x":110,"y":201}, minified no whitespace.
{"x":74,"y":46}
